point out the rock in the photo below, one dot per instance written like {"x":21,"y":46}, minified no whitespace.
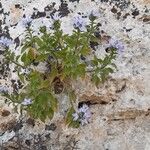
{"x":5,"y":113}
{"x":51,"y":127}
{"x":28,"y":142}
{"x":127,"y":114}
{"x":17,"y":126}
{"x":7,"y":136}
{"x":94,"y":99}
{"x":31,"y":122}
{"x":9,"y":125}
{"x":104,"y":93}
{"x":120,"y":107}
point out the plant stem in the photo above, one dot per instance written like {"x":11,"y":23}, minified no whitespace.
{"x":17,"y":64}
{"x":78,"y":35}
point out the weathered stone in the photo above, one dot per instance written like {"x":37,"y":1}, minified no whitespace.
{"x":127,"y":114}
{"x":31,"y":122}
{"x":120,"y":107}
{"x":51,"y":127}
{"x":4,"y":113}
{"x":9,"y":125}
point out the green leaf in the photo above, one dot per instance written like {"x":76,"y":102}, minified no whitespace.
{"x":38,"y":41}
{"x":22,"y":77}
{"x":114,"y":65}
{"x":96,"y":80}
{"x":50,"y":113}
{"x":95,"y":62}
{"x":74,"y":124}
{"x":17,"y":57}
{"x":12,"y":56}
{"x":85,"y":50}
{"x":69,"y":117}
{"x":72,"y":96}
{"x":80,"y":71}
{"x":109,"y":70}
{"x":25,"y":47}
{"x":53,"y":102}
{"x":31,"y":54}
{"x":23,"y":57}
{"x":53,"y":74}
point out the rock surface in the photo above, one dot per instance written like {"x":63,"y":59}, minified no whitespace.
{"x":120,"y":107}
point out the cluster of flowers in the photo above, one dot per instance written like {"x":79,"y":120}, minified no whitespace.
{"x":83,"y":114}
{"x":78,"y":23}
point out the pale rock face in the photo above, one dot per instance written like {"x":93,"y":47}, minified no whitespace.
{"x":120,"y":107}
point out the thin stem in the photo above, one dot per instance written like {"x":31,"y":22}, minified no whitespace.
{"x":78,"y":35}
{"x":17,"y":64}
{"x":90,"y":70}
{"x":91,"y":31}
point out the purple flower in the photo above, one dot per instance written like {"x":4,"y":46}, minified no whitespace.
{"x":116,"y":44}
{"x":79,"y":23}
{"x":4,"y":41}
{"x":27,"y":101}
{"x":3,"y":89}
{"x":84,"y":108}
{"x":82,"y":115}
{"x":93,"y":15}
{"x":56,"y":16}
{"x":26,"y":21}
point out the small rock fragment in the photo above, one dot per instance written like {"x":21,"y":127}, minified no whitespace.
{"x":51,"y":127}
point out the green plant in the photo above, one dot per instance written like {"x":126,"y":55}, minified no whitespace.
{"x":62,"y":56}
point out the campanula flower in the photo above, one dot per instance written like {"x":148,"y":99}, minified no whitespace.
{"x":4,"y":41}
{"x":84,"y":108}
{"x":79,"y":23}
{"x":27,"y":101}
{"x":3,"y":89}
{"x":56,"y":16}
{"x":26,"y":21}
{"x":116,"y":44}
{"x":93,"y":15}
{"x":82,"y":115}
